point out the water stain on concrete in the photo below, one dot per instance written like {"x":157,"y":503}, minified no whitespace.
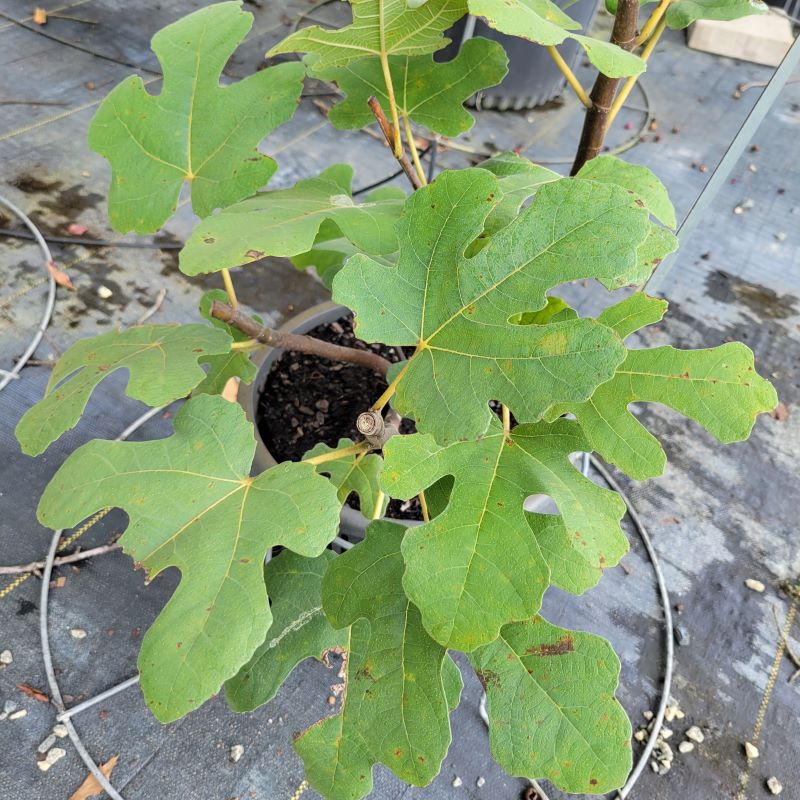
{"x":764,"y":302}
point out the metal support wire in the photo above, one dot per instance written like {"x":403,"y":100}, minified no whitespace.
{"x":732,"y":155}
{"x":9,"y":375}
{"x":669,"y":645}
{"x":98,"y":698}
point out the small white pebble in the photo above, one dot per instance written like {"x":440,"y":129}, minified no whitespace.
{"x":669,"y":713}
{"x":781,"y":236}
{"x":640,"y":735}
{"x":774,"y":785}
{"x":43,"y":765}
{"x":77,"y":633}
{"x":18,"y":714}
{"x":679,"y":714}
{"x":457,"y":782}
{"x":236,"y":752}
{"x":665,"y":733}
{"x":46,"y":744}
{"x":104,"y":292}
{"x":664,"y":752}
{"x":694,"y":734}
{"x":654,"y":766}
{"x":755,"y":585}
{"x":60,"y":730}
{"x":752,"y":167}
{"x":10,"y":706}
{"x":685,"y":747}
{"x":6,"y":657}
{"x":751,"y":751}
{"x":648,"y":715}
{"x":480,"y":782}
{"x":269,"y":721}
{"x":55,"y":754}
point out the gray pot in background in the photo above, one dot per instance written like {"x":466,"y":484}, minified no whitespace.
{"x":533,"y":79}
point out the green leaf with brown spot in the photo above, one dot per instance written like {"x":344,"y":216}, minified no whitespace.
{"x":299,"y":630}
{"x":637,"y":179}
{"x":551,"y":706}
{"x":717,"y":387}
{"x":286,"y":222}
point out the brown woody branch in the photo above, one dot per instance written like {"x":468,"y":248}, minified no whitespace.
{"x":298,"y":342}
{"x":602,"y":95}
{"x":388,"y":133}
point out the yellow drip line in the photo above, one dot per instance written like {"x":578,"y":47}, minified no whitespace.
{"x":762,"y":710}
{"x":63,"y":545}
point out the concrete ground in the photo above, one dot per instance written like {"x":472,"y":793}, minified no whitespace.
{"x":718,"y":516}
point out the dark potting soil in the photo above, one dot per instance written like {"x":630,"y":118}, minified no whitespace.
{"x":308,"y":399}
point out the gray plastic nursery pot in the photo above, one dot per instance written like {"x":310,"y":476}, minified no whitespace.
{"x":533,"y":79}
{"x":353,"y":522}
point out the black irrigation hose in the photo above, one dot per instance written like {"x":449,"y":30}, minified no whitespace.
{"x":17,"y":234}
{"x":67,"y":43}
{"x":369,"y":187}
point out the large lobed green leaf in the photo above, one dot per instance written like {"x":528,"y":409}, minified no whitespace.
{"x":457,"y":310}
{"x":379,"y":28}
{"x":520,"y":179}
{"x":428,"y":92}
{"x":286,"y":222}
{"x":717,"y":387}
{"x":551,"y":706}
{"x":214,"y":523}
{"x":162,"y":361}
{"x":477,"y":565}
{"x":400,"y":684}
{"x":299,"y":630}
{"x":543,"y":22}
{"x":195,"y":130}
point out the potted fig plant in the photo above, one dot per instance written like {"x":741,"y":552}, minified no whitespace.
{"x":480,"y":382}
